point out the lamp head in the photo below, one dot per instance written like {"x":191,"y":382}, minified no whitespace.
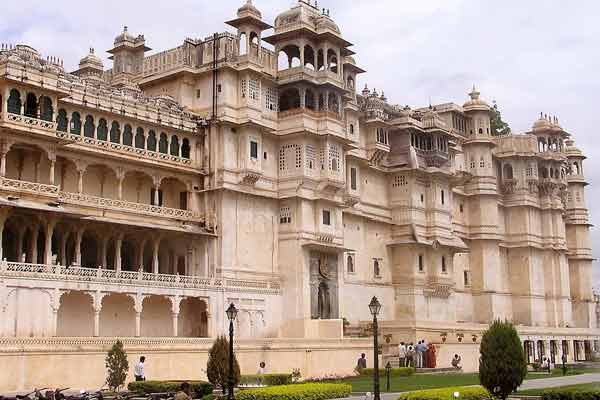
{"x":232,"y":312}
{"x":374,"y":306}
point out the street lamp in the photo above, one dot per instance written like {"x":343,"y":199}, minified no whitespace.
{"x":231,"y":314}
{"x":375,"y":307}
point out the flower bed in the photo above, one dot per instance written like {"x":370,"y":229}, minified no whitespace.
{"x":465,"y":393}
{"x":312,"y":391}
{"x":199,"y":388}
{"x":266,"y":380}
{"x":395,"y":372}
{"x":571,"y":394}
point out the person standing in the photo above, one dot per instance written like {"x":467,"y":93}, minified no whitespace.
{"x":262,"y":368}
{"x":402,"y":354}
{"x":361,"y":363}
{"x":138,"y":371}
{"x":410,"y":355}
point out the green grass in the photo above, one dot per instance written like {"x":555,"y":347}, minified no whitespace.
{"x":363,"y":384}
{"x":584,"y":386}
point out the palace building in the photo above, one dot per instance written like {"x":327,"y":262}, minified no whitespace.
{"x":138,"y":201}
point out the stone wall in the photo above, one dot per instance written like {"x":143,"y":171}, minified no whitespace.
{"x":79,"y":363}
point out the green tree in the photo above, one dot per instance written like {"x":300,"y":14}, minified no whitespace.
{"x":116,"y":366}
{"x":217,"y":368}
{"x":502,"y":366}
{"x":499,"y":127}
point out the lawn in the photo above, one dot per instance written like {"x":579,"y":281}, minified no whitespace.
{"x":538,"y":392}
{"x":363,"y":384}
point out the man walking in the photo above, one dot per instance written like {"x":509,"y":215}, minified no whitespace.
{"x":402,"y":354}
{"x":138,"y":371}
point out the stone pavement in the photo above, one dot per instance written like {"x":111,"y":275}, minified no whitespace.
{"x":529,"y":384}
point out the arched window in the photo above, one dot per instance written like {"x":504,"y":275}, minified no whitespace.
{"x":140,"y":140}
{"x":46,"y":109}
{"x":376,"y":269}
{"x":350,"y":264}
{"x":151,"y":145}
{"x":31,"y":105}
{"x":163,"y":144}
{"x":350,"y":83}
{"x":185,"y":148}
{"x":309,"y":57}
{"x":174,"y":146}
{"x":507,"y":173}
{"x":102,"y":131}
{"x":88,"y":126}
{"x":352,"y":129}
{"x":127,"y":135}
{"x":576,"y":168}
{"x":332,"y":61}
{"x":243,"y":44}
{"x":289,"y":99}
{"x":115,"y":132}
{"x":13,"y":104}
{"x":76,"y":123}
{"x":61,"y":120}
{"x":421,"y":263}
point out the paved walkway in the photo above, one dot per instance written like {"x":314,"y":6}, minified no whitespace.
{"x":528,"y":384}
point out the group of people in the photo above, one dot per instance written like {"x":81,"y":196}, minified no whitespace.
{"x":421,"y":355}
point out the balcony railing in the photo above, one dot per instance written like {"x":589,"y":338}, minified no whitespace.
{"x":309,"y":112}
{"x":122,"y":148}
{"x":139,"y":278}
{"x":30,"y":121}
{"x":122,"y":205}
{"x":18,"y":186}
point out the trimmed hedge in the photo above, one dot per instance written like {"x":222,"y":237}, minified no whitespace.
{"x":571,"y":394}
{"x":466,"y":393}
{"x":312,"y":391}
{"x":266,"y":379}
{"x":199,"y":388}
{"x":394,"y":373}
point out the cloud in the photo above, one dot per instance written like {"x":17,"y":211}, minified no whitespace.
{"x":530,"y":56}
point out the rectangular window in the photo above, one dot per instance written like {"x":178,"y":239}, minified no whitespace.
{"x":353,"y":178}
{"x":152,"y":197}
{"x":198,"y":93}
{"x":462,"y":208}
{"x":443,"y":198}
{"x":467,"y":278}
{"x":183,"y":200}
{"x":254,"y":149}
{"x":326,"y":217}
{"x":444,"y":269}
{"x":285,"y":215}
{"x":421,"y":263}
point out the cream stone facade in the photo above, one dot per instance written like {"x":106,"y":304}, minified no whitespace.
{"x":138,"y":201}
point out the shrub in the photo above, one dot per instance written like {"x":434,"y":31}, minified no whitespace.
{"x":266,"y":379}
{"x":466,"y":393}
{"x":502,"y":366}
{"x":571,"y":394}
{"x":217,"y":368}
{"x":199,"y":388}
{"x":395,"y":372}
{"x":116,"y":366}
{"x":312,"y":391}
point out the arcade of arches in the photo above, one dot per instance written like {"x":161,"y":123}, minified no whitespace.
{"x":85,"y":314}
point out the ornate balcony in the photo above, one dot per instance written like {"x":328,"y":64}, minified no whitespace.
{"x":18,"y":121}
{"x":433,"y":158}
{"x":123,"y":149}
{"x":17,"y":186}
{"x":509,"y":186}
{"x":121,"y":205}
{"x":137,"y":278}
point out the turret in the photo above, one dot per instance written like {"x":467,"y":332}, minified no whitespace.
{"x":249,"y":26}
{"x":478,"y":147}
{"x":128,"y":55}
{"x":90,"y":66}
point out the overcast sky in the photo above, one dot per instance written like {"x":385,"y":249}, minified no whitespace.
{"x":529,"y":56}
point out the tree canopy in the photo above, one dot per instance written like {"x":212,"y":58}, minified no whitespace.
{"x":498,"y":126}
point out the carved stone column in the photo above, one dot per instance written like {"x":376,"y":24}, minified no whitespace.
{"x":118,"y":245}
{"x":97,"y":308}
{"x":78,"y":240}
{"x":120,"y":179}
{"x":52,"y":167}
{"x":138,"y":306}
{"x":62,"y":251}
{"x":35,"y":230}
{"x":155,"y":264}
{"x":81,"y":171}
{"x":4,"y":213}
{"x":175,"y":301}
{"x":48,"y":246}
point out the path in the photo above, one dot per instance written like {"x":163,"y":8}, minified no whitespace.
{"x":529,"y":384}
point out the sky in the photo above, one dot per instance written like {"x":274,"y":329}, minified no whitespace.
{"x":530,"y":56}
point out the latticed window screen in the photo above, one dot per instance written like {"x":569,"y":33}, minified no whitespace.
{"x":270,"y":96}
{"x":254,"y":89}
{"x":334,"y":158}
{"x":244,"y":88}
{"x":285,"y":215}
{"x":311,"y":156}
{"x":290,"y":152}
{"x":399,"y":180}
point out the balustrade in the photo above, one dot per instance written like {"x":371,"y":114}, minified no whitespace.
{"x":140,"y":278}
{"x":124,"y":149}
{"x":30,"y":121}
{"x":15,"y":185}
{"x":122,"y":205}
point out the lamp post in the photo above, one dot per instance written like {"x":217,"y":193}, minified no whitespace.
{"x":388,"y":371}
{"x":375,"y":307}
{"x":231,"y":314}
